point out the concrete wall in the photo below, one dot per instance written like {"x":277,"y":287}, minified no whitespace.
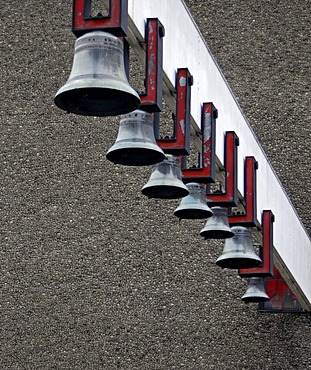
{"x":93,"y":274}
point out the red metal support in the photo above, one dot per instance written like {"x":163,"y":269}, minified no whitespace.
{"x":282,"y":298}
{"x":206,"y":169}
{"x":266,"y":249}
{"x":179,"y":143}
{"x":116,"y":22}
{"x":249,"y":217}
{"x":151,"y":100}
{"x":230,"y":197}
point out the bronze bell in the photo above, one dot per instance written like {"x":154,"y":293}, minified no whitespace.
{"x":136,"y":144}
{"x":238,"y":252}
{"x":165,"y":180}
{"x":194,"y":205}
{"x":97,"y":85}
{"x":255,"y":291}
{"x":217,"y":227}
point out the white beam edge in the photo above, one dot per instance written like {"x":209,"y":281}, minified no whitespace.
{"x":184,"y":46}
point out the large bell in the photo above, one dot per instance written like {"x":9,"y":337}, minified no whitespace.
{"x":136,"y":144}
{"x":217,"y":227}
{"x":97,"y":85}
{"x":165,"y":180}
{"x":255,"y":291}
{"x":238,"y":251}
{"x":194,"y":205}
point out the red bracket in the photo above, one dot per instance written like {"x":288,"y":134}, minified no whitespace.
{"x":249,"y":217}
{"x":230,"y":197}
{"x":266,"y":250}
{"x":179,"y":143}
{"x":205,"y":171}
{"x":151,"y":100}
{"x":115,"y":23}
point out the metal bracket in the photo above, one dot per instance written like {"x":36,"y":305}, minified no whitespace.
{"x":249,"y":217}
{"x":230,"y":197}
{"x":205,"y":172}
{"x":116,"y":22}
{"x":151,"y":100}
{"x":266,"y":249}
{"x":179,"y":143}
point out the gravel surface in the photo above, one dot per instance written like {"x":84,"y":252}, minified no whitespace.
{"x":93,"y":274}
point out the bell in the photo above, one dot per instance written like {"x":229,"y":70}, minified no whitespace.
{"x":217,"y":227}
{"x":165,"y":180}
{"x":97,"y":85}
{"x":136,"y":144}
{"x":238,"y":251}
{"x":255,"y":291}
{"x":194,"y":205}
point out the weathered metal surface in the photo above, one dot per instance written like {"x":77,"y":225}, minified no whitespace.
{"x":179,"y":144}
{"x":248,"y":217}
{"x":266,"y":249}
{"x":151,"y":99}
{"x":228,"y":196}
{"x":204,"y":172}
{"x":115,"y":22}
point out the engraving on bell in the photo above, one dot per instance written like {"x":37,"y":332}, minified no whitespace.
{"x":255,"y":291}
{"x":136,"y":144}
{"x":97,"y":85}
{"x":217,"y":227}
{"x":165,"y":181}
{"x":238,"y":252}
{"x":194,"y":205}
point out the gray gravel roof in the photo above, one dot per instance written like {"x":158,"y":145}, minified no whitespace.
{"x":93,"y":274}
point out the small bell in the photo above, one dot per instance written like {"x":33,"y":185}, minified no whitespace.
{"x":194,"y":205}
{"x":97,"y":85}
{"x":165,"y":180}
{"x":136,"y":144}
{"x":238,"y":252}
{"x":217,"y":227}
{"x":255,"y":291}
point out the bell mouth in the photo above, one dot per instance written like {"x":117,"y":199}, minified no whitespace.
{"x":192,"y":214}
{"x":135,"y":156}
{"x":164,"y":192}
{"x":217,"y":234}
{"x":255,"y":299}
{"x":97,"y":101}
{"x":238,"y":262}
